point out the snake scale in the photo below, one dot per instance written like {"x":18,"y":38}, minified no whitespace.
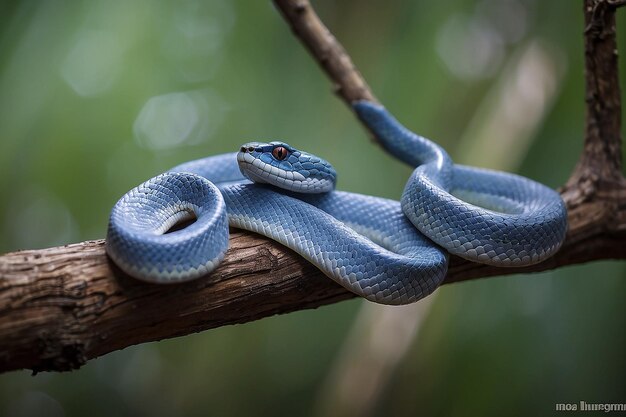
{"x":387,"y":251}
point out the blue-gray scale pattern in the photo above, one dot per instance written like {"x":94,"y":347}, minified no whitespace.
{"x":369,"y":245}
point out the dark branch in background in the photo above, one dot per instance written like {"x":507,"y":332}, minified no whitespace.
{"x":601,"y":161}
{"x":60,"y":307}
{"x":327,"y":51}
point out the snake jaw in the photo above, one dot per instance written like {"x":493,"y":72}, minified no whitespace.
{"x":296,"y":171}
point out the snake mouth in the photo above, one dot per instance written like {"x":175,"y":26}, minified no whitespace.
{"x":261,"y":172}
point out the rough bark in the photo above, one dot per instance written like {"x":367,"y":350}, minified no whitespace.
{"x":600,"y":164}
{"x":60,"y":307}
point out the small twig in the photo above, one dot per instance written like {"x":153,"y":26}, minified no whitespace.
{"x":616,"y":3}
{"x":327,"y":51}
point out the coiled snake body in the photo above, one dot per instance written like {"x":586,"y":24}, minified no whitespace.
{"x":378,"y":248}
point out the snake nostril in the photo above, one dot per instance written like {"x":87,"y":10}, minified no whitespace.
{"x":243,"y":149}
{"x":251,"y":149}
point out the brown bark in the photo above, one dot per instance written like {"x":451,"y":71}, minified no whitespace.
{"x":60,"y":307}
{"x":327,"y":51}
{"x":600,"y":164}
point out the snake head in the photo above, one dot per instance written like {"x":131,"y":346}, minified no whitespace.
{"x":284,"y":166}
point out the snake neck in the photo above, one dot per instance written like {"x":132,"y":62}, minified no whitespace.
{"x":413,"y":149}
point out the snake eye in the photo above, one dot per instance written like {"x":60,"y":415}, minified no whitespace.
{"x":279,"y":153}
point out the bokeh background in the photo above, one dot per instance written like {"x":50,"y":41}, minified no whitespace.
{"x":97,"y":96}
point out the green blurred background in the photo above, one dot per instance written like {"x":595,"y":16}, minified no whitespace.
{"x":97,"y":96}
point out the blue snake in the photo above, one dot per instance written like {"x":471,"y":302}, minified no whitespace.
{"x":380,"y":249}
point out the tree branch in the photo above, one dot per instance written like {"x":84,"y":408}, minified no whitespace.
{"x":60,"y":307}
{"x":327,"y":51}
{"x":63,"y":306}
{"x":600,"y":164}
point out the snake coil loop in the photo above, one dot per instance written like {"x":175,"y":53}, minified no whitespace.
{"x":380,"y":249}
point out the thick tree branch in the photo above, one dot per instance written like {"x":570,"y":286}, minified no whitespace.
{"x":60,"y":307}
